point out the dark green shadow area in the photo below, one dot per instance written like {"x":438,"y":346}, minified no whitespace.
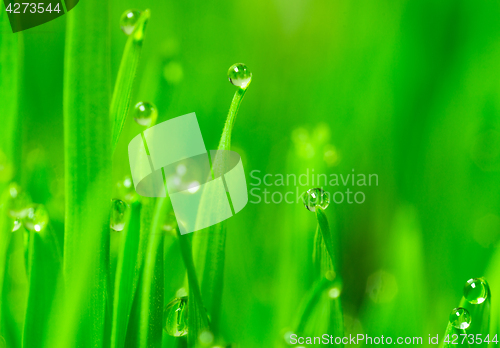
{"x":29,"y":15}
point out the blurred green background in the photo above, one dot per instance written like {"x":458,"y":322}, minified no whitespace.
{"x":406,"y":90}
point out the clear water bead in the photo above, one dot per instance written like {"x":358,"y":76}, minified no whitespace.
{"x":239,"y":75}
{"x":316,"y":197}
{"x":175,"y":317}
{"x":129,"y":20}
{"x":19,"y":202}
{"x":37,"y":218}
{"x":476,"y":290}
{"x":460,"y":318}
{"x":118,"y":210}
{"x":145,"y":113}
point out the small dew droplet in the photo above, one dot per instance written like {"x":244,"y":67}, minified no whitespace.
{"x":334,"y":293}
{"x":145,"y":113}
{"x":476,"y":290}
{"x":176,"y":317}
{"x":129,"y":20}
{"x":16,"y":225}
{"x":37,"y":218}
{"x":460,"y":318}
{"x":118,"y":210}
{"x":19,"y":202}
{"x":170,"y":222}
{"x":239,"y":75}
{"x":125,"y":189}
{"x":316,"y":197}
{"x":206,"y":337}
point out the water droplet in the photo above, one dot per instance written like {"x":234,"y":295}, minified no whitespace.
{"x":118,"y":210}
{"x":287,"y":336}
{"x":125,"y":189}
{"x":19,"y":202}
{"x":476,"y":290}
{"x":170,"y":223}
{"x":239,"y":75}
{"x":334,"y":292}
{"x":330,"y":155}
{"x":173,"y":73}
{"x":381,"y":287}
{"x":206,"y":337}
{"x":37,"y":218}
{"x":16,"y":225}
{"x":460,"y":318}
{"x":145,"y":113}
{"x":316,"y":197}
{"x":129,"y":20}
{"x":175,"y":317}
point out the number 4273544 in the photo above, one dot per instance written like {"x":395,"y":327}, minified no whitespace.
{"x":24,"y":7}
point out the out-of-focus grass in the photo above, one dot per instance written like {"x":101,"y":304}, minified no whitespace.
{"x":87,"y":142}
{"x":407,"y":91}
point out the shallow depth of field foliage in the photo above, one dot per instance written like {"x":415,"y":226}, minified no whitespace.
{"x":407,"y":90}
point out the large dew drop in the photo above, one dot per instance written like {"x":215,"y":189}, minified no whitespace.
{"x":460,"y":318}
{"x":37,"y":218}
{"x":175,"y":317}
{"x":476,"y":290}
{"x":316,"y":197}
{"x":129,"y":20}
{"x":239,"y":75}
{"x":118,"y":210}
{"x":145,"y":113}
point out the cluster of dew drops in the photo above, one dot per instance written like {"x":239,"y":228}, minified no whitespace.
{"x":475,"y":292}
{"x":23,"y":212}
{"x":146,"y":114}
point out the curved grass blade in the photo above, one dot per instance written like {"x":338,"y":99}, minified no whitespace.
{"x":87,"y":135}
{"x":327,"y":239}
{"x":45,"y":261}
{"x":311,"y":301}
{"x":325,"y":260}
{"x":126,"y":75}
{"x":209,"y":244}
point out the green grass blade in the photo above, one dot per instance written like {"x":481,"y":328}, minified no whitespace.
{"x":45,"y":261}
{"x":324,"y":227}
{"x":151,"y":286}
{"x":87,"y":165}
{"x":127,"y":275}
{"x":126,"y":75}
{"x":15,"y":291}
{"x":310,"y":303}
{"x":209,"y":244}
{"x":197,"y":317}
{"x":9,"y":77}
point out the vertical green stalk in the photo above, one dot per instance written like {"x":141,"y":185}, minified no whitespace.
{"x":44,"y":273}
{"x":210,"y":244}
{"x":87,"y":141}
{"x":151,"y":291}
{"x":9,"y":159}
{"x":126,"y":75}
{"x":9,"y":90}
{"x":197,"y":317}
